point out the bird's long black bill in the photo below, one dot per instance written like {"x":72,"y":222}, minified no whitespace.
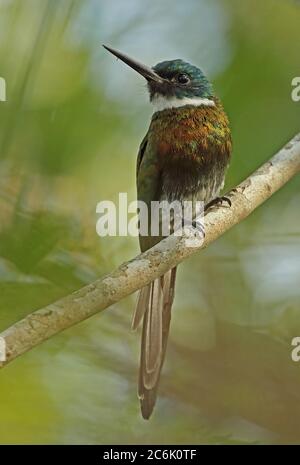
{"x":144,"y":70}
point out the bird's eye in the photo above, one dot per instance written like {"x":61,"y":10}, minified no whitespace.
{"x":183,"y":78}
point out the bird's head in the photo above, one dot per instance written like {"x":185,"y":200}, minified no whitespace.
{"x":179,"y":79}
{"x":172,"y":83}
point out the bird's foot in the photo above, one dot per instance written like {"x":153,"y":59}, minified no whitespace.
{"x":217,"y":201}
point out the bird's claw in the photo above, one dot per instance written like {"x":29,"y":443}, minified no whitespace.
{"x":217,"y":201}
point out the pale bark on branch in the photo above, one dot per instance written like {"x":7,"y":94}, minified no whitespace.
{"x":136,"y":273}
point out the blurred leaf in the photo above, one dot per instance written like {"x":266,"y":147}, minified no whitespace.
{"x":30,"y":238}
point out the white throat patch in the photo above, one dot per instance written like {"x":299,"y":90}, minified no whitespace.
{"x":161,"y":103}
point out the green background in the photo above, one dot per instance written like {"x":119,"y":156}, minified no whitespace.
{"x":69,"y":134}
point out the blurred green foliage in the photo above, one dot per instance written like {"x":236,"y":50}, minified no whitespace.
{"x":69,"y":134}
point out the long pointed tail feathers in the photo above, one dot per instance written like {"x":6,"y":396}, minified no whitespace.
{"x":154,"y":307}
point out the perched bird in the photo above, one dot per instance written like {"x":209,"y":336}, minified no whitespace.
{"x":184,"y":155}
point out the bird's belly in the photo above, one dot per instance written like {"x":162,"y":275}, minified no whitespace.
{"x":182,"y":183}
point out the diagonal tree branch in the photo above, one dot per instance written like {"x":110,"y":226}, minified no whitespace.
{"x":136,"y":273}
